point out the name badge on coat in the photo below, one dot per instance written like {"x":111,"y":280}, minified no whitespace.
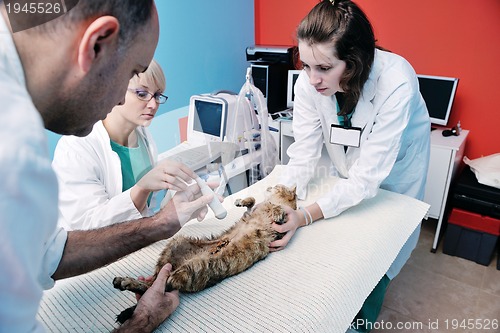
{"x":346,"y":136}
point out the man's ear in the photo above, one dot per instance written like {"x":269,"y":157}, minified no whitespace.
{"x":100,"y":35}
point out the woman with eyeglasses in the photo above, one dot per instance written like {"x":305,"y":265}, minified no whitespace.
{"x":112,"y":175}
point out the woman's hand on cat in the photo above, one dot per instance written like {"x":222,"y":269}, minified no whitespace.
{"x":154,"y":306}
{"x":293,"y":222}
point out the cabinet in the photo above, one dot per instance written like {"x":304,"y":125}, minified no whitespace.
{"x":446,"y":155}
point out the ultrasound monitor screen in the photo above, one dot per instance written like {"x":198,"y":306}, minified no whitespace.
{"x":438,"y":93}
{"x":208,"y":117}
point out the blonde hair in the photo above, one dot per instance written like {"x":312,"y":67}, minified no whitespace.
{"x":153,"y":76}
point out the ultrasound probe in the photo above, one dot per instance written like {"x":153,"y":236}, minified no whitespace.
{"x":216,"y":206}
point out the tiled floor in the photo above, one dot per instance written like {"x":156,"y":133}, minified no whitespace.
{"x":436,"y":292}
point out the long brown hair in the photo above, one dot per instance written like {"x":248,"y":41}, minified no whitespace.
{"x":344,"y":24}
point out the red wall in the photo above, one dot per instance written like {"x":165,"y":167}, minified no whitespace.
{"x":438,"y":37}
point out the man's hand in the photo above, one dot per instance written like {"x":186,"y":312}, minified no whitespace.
{"x":156,"y":303}
{"x":154,"y":306}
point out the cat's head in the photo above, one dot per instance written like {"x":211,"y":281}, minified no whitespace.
{"x":283,"y":195}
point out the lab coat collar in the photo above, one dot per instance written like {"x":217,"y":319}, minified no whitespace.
{"x":109,"y":157}
{"x":362,"y":118}
{"x":364,"y":108}
{"x":336,"y":152}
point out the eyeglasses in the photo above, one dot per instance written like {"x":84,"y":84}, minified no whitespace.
{"x":146,"y":96}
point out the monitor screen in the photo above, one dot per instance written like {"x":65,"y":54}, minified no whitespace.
{"x":290,"y":95}
{"x":208,"y":117}
{"x":438,"y":93}
{"x":260,"y":77}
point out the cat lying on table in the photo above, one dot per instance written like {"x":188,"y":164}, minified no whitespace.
{"x":199,"y":263}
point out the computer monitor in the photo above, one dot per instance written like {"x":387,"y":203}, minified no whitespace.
{"x":206,"y":119}
{"x":290,"y":92}
{"x":438,"y":93}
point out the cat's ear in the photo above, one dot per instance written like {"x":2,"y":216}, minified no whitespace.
{"x":269,"y":189}
{"x":293,"y":188}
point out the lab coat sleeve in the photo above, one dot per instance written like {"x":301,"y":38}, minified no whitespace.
{"x":305,"y":152}
{"x":28,"y":199}
{"x":378,"y":153}
{"x":28,"y":206}
{"x":52,"y":254}
{"x":85,"y":201}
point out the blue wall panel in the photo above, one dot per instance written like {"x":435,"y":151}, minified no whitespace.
{"x":201,"y":49}
{"x":202,"y":46}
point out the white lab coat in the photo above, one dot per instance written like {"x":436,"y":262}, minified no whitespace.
{"x":395,"y":142}
{"x":30,"y":245}
{"x":90,"y":181}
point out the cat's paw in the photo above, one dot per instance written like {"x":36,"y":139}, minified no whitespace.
{"x":127,"y":283}
{"x":279,"y":235}
{"x":247,"y":202}
{"x":178,"y":280}
{"x":278,"y":215}
{"x":120,"y":282}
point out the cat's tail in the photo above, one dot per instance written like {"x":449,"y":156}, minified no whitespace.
{"x":125,"y":315}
